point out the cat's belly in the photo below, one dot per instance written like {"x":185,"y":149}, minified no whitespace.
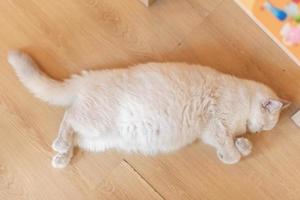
{"x":143,"y":147}
{"x":138,"y":139}
{"x":144,"y":134}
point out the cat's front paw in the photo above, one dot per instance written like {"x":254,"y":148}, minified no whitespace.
{"x":229,"y":156}
{"x":243,"y":145}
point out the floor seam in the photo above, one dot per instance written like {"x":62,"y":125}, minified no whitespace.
{"x":144,"y":179}
{"x":200,"y":23}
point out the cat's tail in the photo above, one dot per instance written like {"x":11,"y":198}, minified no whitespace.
{"x":37,"y":82}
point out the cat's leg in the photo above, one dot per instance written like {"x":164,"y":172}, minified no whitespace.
{"x":223,"y":142}
{"x":243,"y":145}
{"x":61,"y":160}
{"x":64,"y":141}
{"x":63,"y":144}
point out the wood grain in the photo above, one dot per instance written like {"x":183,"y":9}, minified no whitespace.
{"x":67,"y":37}
{"x":120,"y":183}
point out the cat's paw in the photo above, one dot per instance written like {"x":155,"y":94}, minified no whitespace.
{"x":229,"y":157}
{"x":61,"y":160}
{"x":243,"y":145}
{"x":61,"y":146}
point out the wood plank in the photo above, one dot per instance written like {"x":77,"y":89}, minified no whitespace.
{"x":102,"y":34}
{"x":231,"y":42}
{"x":26,"y":171}
{"x":125,"y":183}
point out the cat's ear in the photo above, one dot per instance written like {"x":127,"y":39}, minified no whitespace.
{"x":285,"y":104}
{"x":272,"y":105}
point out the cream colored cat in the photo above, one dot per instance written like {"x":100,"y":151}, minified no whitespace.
{"x":153,"y":108}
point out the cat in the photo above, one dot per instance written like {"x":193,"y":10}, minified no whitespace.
{"x":153,"y":108}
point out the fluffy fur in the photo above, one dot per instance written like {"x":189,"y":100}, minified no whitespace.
{"x":153,"y":108}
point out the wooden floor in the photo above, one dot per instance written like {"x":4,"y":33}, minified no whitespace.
{"x":69,"y":36}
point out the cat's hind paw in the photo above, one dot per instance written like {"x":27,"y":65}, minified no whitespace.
{"x":243,"y":145}
{"x":61,"y":160}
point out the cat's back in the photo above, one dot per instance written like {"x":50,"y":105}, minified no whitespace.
{"x":154,"y":73}
{"x":172,"y":71}
{"x":150,"y":79}
{"x":151,"y":85}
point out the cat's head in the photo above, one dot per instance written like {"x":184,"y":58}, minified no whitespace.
{"x":265,"y":109}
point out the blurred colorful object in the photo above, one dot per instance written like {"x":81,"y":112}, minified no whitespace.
{"x":278,"y":13}
{"x":292,"y":9}
{"x":290,"y":34}
{"x":297,"y":18}
{"x":280,"y":19}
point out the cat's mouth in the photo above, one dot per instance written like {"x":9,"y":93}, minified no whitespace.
{"x":260,"y":129}
{"x":254,"y":130}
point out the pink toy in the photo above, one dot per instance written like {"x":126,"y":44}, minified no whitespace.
{"x":290,"y":34}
